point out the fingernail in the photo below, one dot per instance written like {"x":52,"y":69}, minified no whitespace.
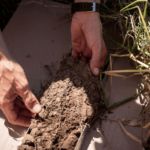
{"x":37,"y":108}
{"x":96,"y":71}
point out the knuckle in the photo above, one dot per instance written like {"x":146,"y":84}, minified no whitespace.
{"x":25,"y":90}
{"x":30,"y":99}
{"x":24,"y":86}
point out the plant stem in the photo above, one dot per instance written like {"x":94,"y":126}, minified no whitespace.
{"x":126,"y":71}
{"x":143,"y":21}
{"x":132,"y":4}
{"x":125,"y":100}
{"x":142,"y":17}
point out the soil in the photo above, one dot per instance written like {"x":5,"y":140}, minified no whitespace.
{"x":72,"y":98}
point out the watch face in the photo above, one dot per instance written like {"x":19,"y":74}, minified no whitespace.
{"x":85,"y":7}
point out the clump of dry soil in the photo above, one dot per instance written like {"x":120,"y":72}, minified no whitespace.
{"x":72,"y":98}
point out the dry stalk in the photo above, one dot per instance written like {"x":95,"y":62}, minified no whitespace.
{"x":139,"y":62}
{"x":135,"y":74}
{"x":15,"y":131}
{"x":127,"y":133}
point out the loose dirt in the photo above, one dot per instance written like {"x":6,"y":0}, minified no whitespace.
{"x":72,"y":98}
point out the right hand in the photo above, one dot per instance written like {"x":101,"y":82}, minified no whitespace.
{"x":87,"y":40}
{"x":13,"y":83}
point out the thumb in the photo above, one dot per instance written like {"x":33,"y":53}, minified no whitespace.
{"x":30,"y":101}
{"x":95,"y":62}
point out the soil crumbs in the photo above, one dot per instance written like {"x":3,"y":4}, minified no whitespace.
{"x":72,"y":98}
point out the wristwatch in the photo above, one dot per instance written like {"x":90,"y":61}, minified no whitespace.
{"x":85,"y":6}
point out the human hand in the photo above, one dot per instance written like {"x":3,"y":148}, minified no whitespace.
{"x":87,"y":40}
{"x":13,"y":83}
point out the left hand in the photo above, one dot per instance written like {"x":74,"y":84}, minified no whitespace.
{"x":13,"y":83}
{"x":87,"y":40}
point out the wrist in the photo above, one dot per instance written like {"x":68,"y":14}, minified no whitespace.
{"x":78,"y":1}
{"x":86,"y":15}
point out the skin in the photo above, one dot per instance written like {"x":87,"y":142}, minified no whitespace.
{"x":13,"y":83}
{"x":87,"y":42}
{"x":87,"y":39}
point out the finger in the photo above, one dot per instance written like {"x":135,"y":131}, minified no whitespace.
{"x":77,"y":38}
{"x":75,"y":34}
{"x":75,"y":54}
{"x":22,"y":121}
{"x":20,"y":104}
{"x":95,"y":62}
{"x":83,"y":58}
{"x":14,"y":117}
{"x":30,"y":101}
{"x":23,"y":90}
{"x":23,"y":111}
{"x":26,"y":113}
{"x":86,"y":52}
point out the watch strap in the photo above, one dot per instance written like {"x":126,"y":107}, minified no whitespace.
{"x":85,"y":6}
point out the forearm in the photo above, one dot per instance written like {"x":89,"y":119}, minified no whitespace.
{"x":78,"y":1}
{"x":3,"y":48}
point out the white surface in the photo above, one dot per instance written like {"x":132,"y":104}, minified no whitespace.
{"x":8,"y":139}
{"x":35,"y":36}
{"x":118,"y":140}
